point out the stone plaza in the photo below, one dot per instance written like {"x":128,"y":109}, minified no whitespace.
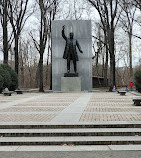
{"x":68,"y":108}
{"x":103,"y":121}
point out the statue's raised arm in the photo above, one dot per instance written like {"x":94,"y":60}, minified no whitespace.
{"x":63,"y":33}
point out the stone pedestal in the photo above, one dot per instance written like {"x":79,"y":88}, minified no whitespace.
{"x":70,"y":84}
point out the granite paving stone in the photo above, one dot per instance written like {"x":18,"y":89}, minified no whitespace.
{"x":71,"y":148}
{"x":31,"y":109}
{"x":71,"y":139}
{"x":125,"y":147}
{"x":22,"y":117}
{"x":64,"y":148}
{"x":69,"y":108}
{"x":44,"y":104}
{"x":8,"y":148}
{"x":78,"y":130}
{"x":70,"y":113}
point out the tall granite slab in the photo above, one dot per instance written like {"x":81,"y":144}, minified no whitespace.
{"x":82,"y":32}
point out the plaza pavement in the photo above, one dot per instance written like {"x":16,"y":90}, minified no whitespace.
{"x":62,"y":108}
{"x":69,"y":108}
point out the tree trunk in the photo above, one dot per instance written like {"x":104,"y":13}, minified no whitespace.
{"x":5,"y":33}
{"x":47,"y":69}
{"x":16,"y":55}
{"x":103,"y":61}
{"x":22,"y":75}
{"x":112,"y":72}
{"x":130,"y":54}
{"x":106,"y":70}
{"x":41,"y":72}
{"x":106,"y":61}
{"x":112,"y":60}
{"x":51,"y":61}
{"x":37,"y":76}
{"x":30,"y":74}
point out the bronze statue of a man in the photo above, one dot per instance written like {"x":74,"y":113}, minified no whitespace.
{"x":70,"y":52}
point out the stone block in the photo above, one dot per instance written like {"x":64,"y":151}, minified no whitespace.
{"x":70,"y":84}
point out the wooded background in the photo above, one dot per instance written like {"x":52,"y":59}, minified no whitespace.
{"x":25,"y":37}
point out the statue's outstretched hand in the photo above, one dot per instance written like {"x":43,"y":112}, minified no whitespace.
{"x":81,"y":51}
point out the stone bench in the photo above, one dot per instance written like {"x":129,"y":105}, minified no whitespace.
{"x":137,"y":101}
{"x":19,"y":91}
{"x":117,"y":91}
{"x":122,"y":92}
{"x":8,"y":93}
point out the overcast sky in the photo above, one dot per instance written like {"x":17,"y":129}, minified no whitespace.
{"x":88,"y":13}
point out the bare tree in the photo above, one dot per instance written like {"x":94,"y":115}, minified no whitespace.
{"x":47,"y":13}
{"x":104,"y":42}
{"x":127,"y":20}
{"x":137,"y":3}
{"x":17,"y":12}
{"x":4,"y":22}
{"x":108,"y":12}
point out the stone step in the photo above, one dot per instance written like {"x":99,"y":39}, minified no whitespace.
{"x":71,"y":148}
{"x":70,"y":132}
{"x":80,"y":125}
{"x":77,"y":140}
